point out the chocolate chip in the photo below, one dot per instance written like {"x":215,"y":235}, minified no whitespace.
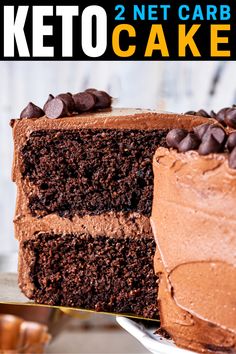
{"x":217,"y":132}
{"x":213,"y":114}
{"x":190,"y":142}
{"x":103,"y":100}
{"x":91,"y":90}
{"x":208,"y":146}
{"x":202,"y":113}
{"x":232,"y":159}
{"x":191,"y":113}
{"x":200,"y":130}
{"x":56,"y":108}
{"x":12,"y":122}
{"x":67,"y":98}
{"x":84,"y":101}
{"x":231,"y":142}
{"x":175,"y":136}
{"x":32,"y":111}
{"x":230,"y":117}
{"x":220,"y":116}
{"x":50,"y":97}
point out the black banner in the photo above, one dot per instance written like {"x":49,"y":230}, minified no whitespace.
{"x":118,"y":30}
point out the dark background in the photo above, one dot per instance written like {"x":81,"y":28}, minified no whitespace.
{"x":170,"y":27}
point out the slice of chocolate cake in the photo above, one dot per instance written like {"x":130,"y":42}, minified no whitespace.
{"x":85,"y":185}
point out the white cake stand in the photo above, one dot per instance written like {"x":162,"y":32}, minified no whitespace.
{"x":155,"y":343}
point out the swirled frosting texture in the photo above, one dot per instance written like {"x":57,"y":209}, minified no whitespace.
{"x":194,"y":224}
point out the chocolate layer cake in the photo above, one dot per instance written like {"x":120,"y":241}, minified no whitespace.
{"x":193,"y":220}
{"x":85,"y":189}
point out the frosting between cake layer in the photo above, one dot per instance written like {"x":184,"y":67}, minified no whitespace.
{"x":194,"y":227}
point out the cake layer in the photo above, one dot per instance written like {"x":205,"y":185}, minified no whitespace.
{"x":115,"y":118}
{"x":112,"y":119}
{"x":87,"y":172}
{"x":102,"y":273}
{"x":194,"y":200}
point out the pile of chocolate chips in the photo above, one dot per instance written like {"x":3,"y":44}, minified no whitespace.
{"x":226,"y":116}
{"x":65,"y":104}
{"x":206,"y":139}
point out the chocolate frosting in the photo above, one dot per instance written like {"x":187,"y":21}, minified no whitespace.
{"x":112,"y":224}
{"x":193,"y":220}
